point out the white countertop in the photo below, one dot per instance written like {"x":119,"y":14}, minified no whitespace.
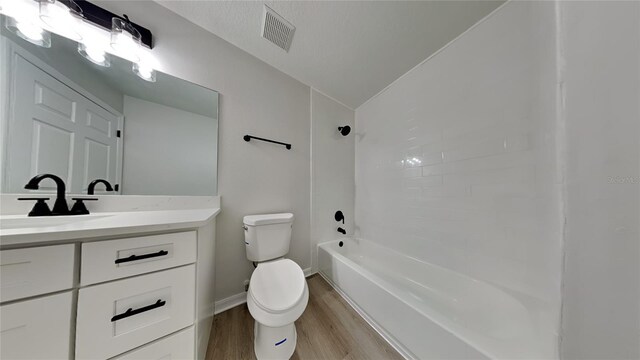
{"x":102,"y":224}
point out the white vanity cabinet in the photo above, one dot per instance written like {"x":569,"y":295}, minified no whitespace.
{"x":140,"y":295}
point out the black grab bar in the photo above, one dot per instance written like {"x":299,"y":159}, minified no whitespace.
{"x":249,"y":137}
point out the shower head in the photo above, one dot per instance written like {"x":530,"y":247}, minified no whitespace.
{"x":344,"y":130}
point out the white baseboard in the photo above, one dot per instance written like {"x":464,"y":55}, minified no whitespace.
{"x":308,"y":272}
{"x":241,"y":298}
{"x":379,"y":329}
{"x":230,"y":302}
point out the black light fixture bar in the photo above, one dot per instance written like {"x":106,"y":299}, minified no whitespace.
{"x":101,"y":17}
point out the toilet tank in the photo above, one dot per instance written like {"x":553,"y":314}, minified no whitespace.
{"x":267,"y":236}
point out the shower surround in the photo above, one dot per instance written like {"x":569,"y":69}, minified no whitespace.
{"x":458,"y":162}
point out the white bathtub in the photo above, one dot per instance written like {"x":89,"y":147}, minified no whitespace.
{"x":429,"y":312}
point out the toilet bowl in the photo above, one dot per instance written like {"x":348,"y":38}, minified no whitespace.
{"x":278,"y":292}
{"x":278,"y":295}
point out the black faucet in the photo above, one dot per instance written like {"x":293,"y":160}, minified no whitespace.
{"x":342,"y":231}
{"x":95,"y":182}
{"x":60,"y":207}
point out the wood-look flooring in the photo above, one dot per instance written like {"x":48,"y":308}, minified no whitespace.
{"x":329,"y":329}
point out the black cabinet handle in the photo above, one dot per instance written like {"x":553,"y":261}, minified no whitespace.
{"x":131,"y":312}
{"x":141,"y":257}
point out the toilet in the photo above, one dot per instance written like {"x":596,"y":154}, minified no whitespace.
{"x":278,"y":292}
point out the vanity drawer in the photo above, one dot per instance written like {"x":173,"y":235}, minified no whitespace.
{"x":160,"y":304}
{"x":115,"y":259}
{"x":35,"y":271}
{"x":180,"y":345}
{"x":36,"y":329}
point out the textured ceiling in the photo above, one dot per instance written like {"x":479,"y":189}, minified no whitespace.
{"x":349,"y":50}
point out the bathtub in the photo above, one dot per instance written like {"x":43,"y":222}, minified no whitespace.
{"x":429,"y":312}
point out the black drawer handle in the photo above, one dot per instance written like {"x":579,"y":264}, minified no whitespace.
{"x":141,"y":257}
{"x":131,"y":312}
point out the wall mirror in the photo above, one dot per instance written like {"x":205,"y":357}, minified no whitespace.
{"x":64,"y":115}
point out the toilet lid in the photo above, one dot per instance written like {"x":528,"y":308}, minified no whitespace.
{"x":277,"y":286}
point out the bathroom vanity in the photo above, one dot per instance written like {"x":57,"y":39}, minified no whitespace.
{"x":130,"y":275}
{"x":121,"y":285}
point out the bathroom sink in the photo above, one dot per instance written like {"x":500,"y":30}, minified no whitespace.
{"x":21,"y":221}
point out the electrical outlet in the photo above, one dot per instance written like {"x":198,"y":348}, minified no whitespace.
{"x":246,"y":285}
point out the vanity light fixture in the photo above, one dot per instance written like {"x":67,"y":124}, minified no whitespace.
{"x":95,"y":54}
{"x":99,"y":33}
{"x":144,"y":71}
{"x":63,"y":17}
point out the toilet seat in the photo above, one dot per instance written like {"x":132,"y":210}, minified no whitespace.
{"x":277,"y":286}
{"x":278,"y":293}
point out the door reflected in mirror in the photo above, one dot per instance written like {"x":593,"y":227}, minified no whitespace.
{"x":65,"y":115}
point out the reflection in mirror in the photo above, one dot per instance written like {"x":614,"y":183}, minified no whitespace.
{"x":65,"y":115}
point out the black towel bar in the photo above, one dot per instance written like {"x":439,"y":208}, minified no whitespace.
{"x":249,"y":137}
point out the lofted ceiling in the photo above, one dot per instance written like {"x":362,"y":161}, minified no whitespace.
{"x":349,"y":50}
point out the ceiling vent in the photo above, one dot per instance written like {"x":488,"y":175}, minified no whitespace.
{"x":276,"y":29}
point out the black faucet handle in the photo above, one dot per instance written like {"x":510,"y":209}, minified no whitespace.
{"x":79,"y":208}
{"x":40,"y":208}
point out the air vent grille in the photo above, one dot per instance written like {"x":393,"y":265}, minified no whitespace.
{"x":276,"y":29}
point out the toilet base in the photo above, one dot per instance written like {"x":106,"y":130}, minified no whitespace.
{"x":274,"y":343}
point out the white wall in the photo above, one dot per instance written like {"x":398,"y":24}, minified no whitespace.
{"x":601,"y":293}
{"x":255,"y":99}
{"x":456,"y":161}
{"x":168,"y":151}
{"x":332,"y":165}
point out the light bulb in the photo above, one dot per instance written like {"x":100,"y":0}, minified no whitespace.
{"x":30,"y":30}
{"x":125,"y":39}
{"x":145,"y":72}
{"x":61,"y":19}
{"x":124,"y":42}
{"x":94,"y":53}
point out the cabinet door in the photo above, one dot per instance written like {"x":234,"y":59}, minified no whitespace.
{"x":119,"y":316}
{"x":36,"y":329}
